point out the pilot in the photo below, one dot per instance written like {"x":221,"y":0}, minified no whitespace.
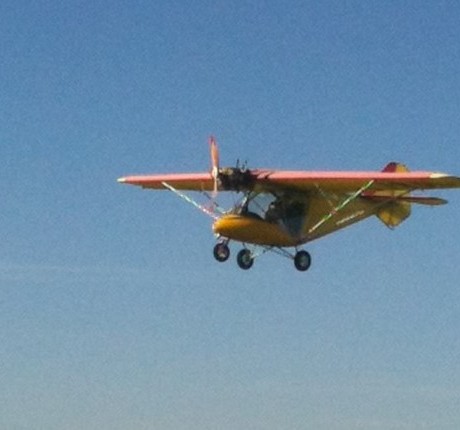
{"x":273,"y":212}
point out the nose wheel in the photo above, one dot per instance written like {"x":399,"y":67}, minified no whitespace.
{"x":302,"y":260}
{"x":221,"y":252}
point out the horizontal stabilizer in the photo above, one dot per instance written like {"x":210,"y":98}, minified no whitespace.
{"x":428,"y":201}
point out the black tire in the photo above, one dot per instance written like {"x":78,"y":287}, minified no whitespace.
{"x":244,"y":259}
{"x":221,"y":252}
{"x":302,"y":260}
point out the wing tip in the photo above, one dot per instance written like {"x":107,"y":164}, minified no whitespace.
{"x":439,"y":175}
{"x":449,"y":181}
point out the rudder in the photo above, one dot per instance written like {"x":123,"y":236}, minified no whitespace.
{"x":393,"y":212}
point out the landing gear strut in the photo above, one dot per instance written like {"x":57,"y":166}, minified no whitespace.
{"x":245,"y":258}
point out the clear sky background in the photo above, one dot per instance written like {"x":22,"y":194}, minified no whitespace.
{"x":113,"y":312}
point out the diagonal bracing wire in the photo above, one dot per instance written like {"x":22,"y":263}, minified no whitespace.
{"x":340,"y":207}
{"x":191,"y":201}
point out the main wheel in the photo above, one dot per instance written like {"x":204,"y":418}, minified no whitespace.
{"x":244,"y":259}
{"x":302,"y":260}
{"x":221,"y":252}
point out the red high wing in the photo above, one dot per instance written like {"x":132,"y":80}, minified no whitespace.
{"x":305,"y":180}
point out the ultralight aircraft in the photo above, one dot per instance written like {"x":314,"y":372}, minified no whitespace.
{"x":277,"y":209}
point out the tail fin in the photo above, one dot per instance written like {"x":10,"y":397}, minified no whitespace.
{"x":394,"y":213}
{"x":395,"y":208}
{"x":395,"y":204}
{"x":394,"y":167}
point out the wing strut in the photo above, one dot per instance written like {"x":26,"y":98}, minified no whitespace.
{"x":190,"y":200}
{"x":340,"y":207}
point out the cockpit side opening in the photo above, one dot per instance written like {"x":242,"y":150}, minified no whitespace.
{"x":288,"y":211}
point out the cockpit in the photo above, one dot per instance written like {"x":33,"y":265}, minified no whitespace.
{"x":286,"y":210}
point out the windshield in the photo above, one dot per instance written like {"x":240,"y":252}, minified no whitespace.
{"x":289,"y":211}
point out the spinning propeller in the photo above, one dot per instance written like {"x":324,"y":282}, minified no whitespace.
{"x":238,"y":178}
{"x":214,"y":164}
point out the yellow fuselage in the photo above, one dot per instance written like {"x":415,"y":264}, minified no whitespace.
{"x":248,"y":229}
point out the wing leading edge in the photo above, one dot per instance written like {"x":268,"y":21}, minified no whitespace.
{"x":181,"y":181}
{"x":269,"y":180}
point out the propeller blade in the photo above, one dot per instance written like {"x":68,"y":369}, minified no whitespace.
{"x":214,"y":163}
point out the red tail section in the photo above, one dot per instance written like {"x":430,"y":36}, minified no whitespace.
{"x":394,"y":167}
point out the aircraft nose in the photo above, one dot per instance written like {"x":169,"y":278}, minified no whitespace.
{"x":226,"y":225}
{"x":219,"y":226}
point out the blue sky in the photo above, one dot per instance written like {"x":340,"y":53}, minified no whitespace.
{"x":113,"y":313}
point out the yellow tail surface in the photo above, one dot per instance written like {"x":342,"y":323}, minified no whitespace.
{"x":394,"y":213}
{"x":396,"y":210}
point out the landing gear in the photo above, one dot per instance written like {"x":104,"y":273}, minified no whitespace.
{"x":302,"y":260}
{"x":221,"y":252}
{"x":244,"y":259}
